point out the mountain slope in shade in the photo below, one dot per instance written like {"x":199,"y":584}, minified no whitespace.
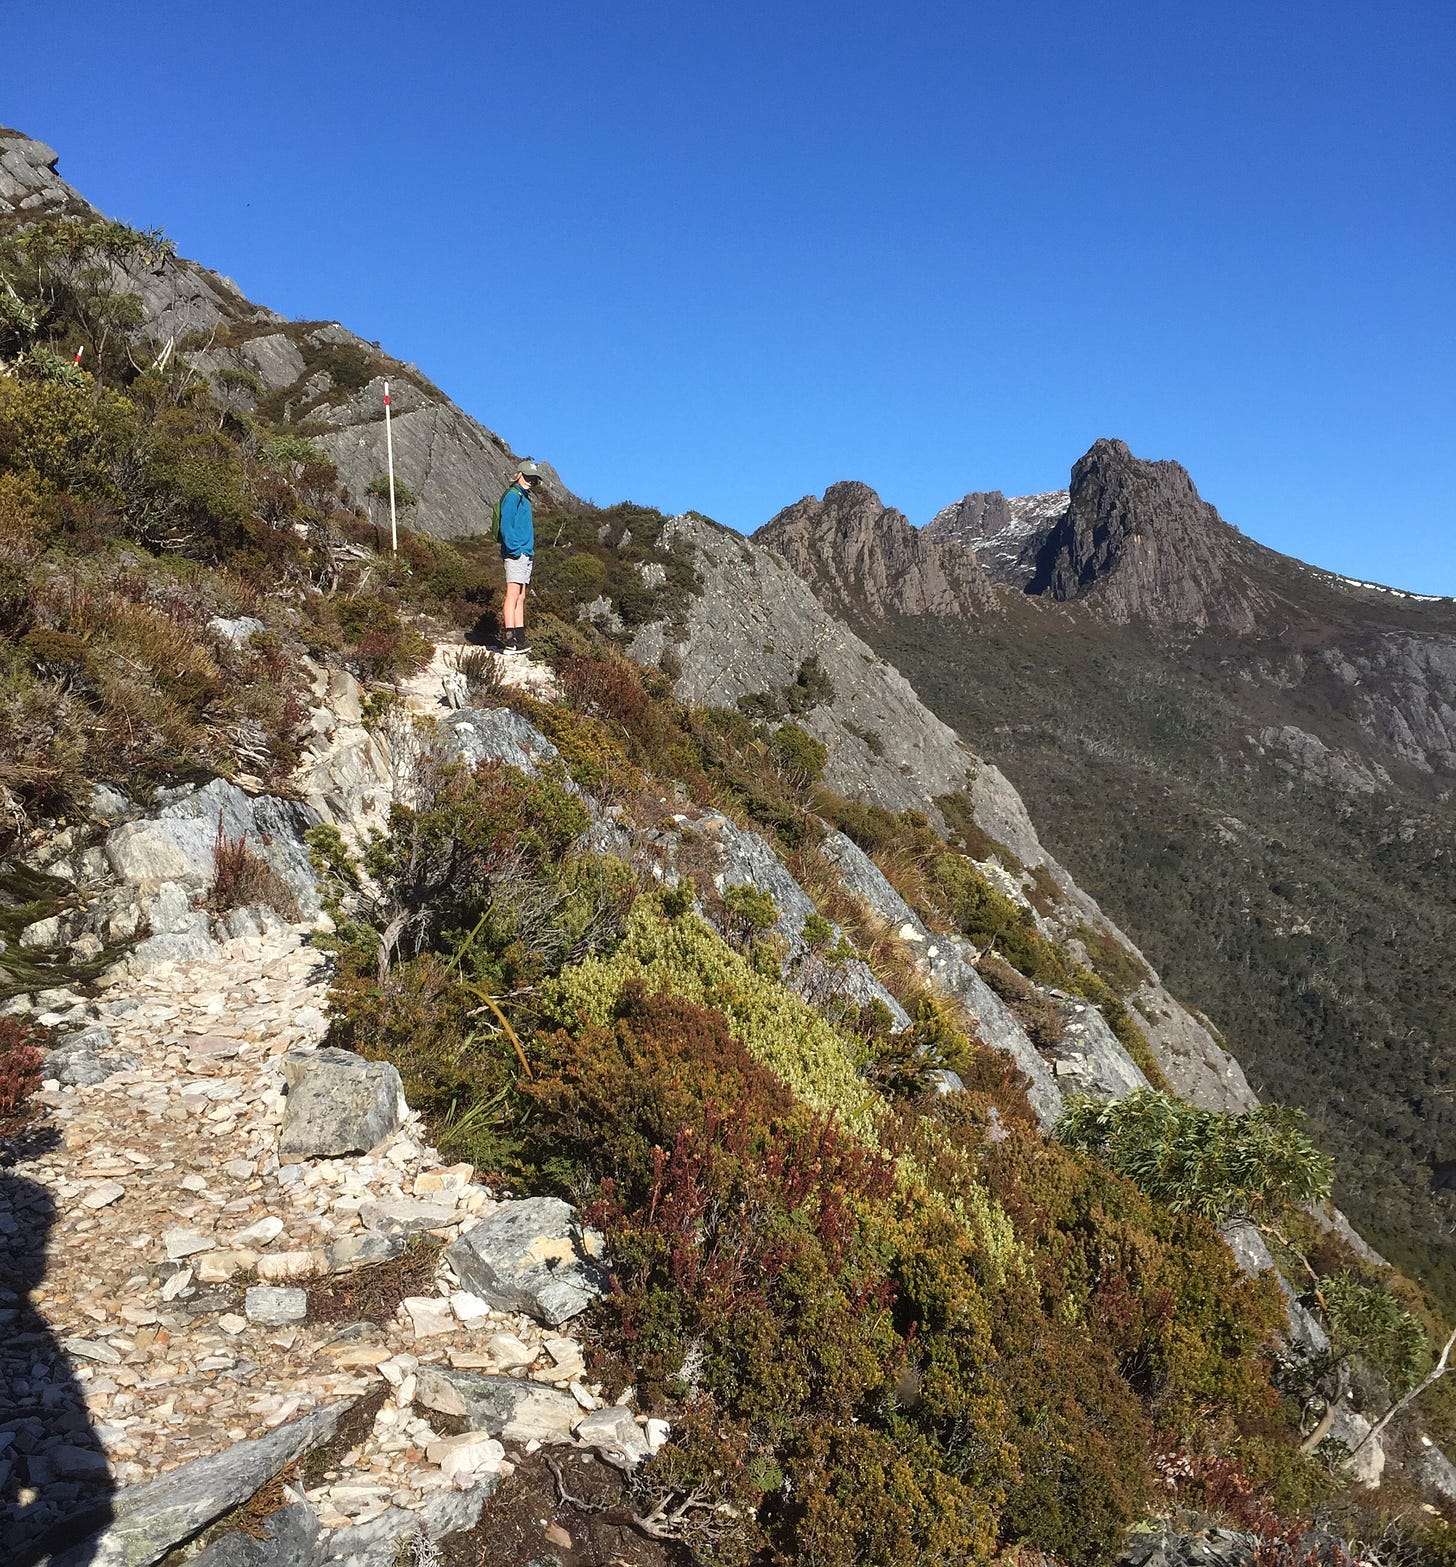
{"x":1249,"y":761}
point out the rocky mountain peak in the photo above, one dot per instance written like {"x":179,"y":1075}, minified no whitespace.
{"x":1137,"y":535}
{"x":865,"y":554}
{"x":1004,"y":534}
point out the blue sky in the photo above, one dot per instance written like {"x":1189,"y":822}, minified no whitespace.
{"x":719,"y":256}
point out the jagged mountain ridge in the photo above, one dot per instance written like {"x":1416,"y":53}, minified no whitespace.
{"x":1266,"y":807}
{"x":321,"y":377}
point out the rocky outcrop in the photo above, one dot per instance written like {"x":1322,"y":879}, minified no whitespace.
{"x":1137,"y":535}
{"x":328,"y":381}
{"x":532,"y":1256}
{"x":865,"y":557}
{"x":1003,"y":535}
{"x":751,"y":630}
{"x":948,"y":963}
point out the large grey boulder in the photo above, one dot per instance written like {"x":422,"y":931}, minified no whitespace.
{"x":150,"y":1519}
{"x":951,"y":968}
{"x":338,"y":1103}
{"x":532,"y":1256}
{"x":176,"y":844}
{"x":89,"y":1056}
{"x":504,"y":1407}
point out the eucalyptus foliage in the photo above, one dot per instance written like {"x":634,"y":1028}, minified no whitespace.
{"x":1208,"y":1162}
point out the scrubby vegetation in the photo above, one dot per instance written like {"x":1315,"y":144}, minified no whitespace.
{"x":887,"y":1325}
{"x":1288,"y":910}
{"x":883,"y":1326}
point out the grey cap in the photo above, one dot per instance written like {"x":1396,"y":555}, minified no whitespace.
{"x":529,"y":470}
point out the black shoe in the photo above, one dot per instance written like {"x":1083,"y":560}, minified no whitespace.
{"x":519,"y":643}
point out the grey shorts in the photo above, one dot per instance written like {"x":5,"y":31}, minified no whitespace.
{"x":518,"y":568}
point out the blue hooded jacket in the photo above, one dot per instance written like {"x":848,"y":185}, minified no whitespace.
{"x":517,"y":530}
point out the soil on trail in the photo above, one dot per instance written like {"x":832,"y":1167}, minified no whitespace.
{"x":577,"y":1515}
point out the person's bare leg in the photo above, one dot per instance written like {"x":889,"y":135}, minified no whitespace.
{"x":513,"y":610}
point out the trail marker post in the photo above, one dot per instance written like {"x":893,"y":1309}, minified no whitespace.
{"x":81,"y":350}
{"x":389,"y":448}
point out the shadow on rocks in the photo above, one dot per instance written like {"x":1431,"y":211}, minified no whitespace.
{"x":56,"y":1486}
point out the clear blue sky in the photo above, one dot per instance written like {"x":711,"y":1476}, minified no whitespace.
{"x":721,"y":255}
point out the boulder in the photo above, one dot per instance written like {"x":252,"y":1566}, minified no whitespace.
{"x":338,"y":1103}
{"x":504,"y":1407}
{"x":235,"y":632}
{"x":149,"y":1519}
{"x":88,"y":1056}
{"x":532,"y":1256}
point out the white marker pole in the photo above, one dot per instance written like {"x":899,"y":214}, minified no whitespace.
{"x":81,"y":350}
{"x":389,"y":447}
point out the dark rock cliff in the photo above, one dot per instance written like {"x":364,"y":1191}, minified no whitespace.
{"x":867,"y":557}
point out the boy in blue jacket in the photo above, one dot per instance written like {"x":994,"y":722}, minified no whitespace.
{"x":518,"y":554}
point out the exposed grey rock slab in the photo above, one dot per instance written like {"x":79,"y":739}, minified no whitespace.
{"x":290,"y":1538}
{"x":746,"y":859}
{"x":532,"y":1256}
{"x":149,"y":1519}
{"x":1366,"y":1464}
{"x":751,"y":629}
{"x":496,"y":734}
{"x":1196,"y":1066}
{"x":338,"y":1103}
{"x":1089,"y":1058}
{"x":1435,"y":1469}
{"x":176,"y":844}
{"x":505,"y":1407}
{"x":1253,"y":1256}
{"x":951,"y":968}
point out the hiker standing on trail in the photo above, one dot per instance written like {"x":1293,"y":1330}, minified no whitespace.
{"x":517,"y":533}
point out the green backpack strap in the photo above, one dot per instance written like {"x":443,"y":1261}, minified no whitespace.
{"x":495,"y":520}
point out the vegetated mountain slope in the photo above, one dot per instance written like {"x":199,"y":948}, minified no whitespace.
{"x":1251,"y":765}
{"x":316,"y":376}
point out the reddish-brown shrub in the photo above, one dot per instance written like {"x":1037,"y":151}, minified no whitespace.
{"x":20,"y":1061}
{"x":241,"y":877}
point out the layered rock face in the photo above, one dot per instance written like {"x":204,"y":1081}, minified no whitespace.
{"x":1003,"y":534}
{"x":1138,"y":536}
{"x":323,"y":378}
{"x":868,"y":556}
